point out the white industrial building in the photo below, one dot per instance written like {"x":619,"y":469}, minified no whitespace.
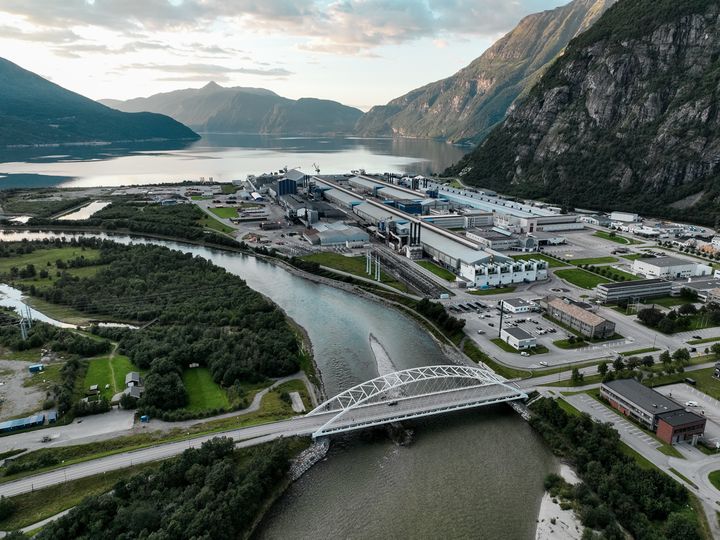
{"x":517,"y":305}
{"x":518,"y":338}
{"x":490,"y":271}
{"x":624,"y":217}
{"x":670,"y":268}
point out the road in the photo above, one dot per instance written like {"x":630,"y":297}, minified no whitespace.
{"x":373,"y":414}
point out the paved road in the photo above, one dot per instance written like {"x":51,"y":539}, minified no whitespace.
{"x":303,"y":425}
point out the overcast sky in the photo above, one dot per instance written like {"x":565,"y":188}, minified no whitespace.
{"x":359,"y":52}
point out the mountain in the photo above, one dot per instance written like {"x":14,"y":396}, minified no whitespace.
{"x":465,"y":106}
{"x":214,"y":108}
{"x":34,"y":111}
{"x":626,"y":119}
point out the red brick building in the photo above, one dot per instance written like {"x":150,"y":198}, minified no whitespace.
{"x":678,"y":426}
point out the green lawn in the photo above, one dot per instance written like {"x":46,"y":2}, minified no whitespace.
{"x":705,"y":382}
{"x":229,"y":189}
{"x":622,"y":273}
{"x":581,"y":278}
{"x":637,"y":352}
{"x":351,"y":265}
{"x":714,"y":478}
{"x":447,"y":275}
{"x":587,"y":379}
{"x":41,"y":257}
{"x":201,"y":197}
{"x":486,"y":292}
{"x":477,"y":355}
{"x":203,"y":393}
{"x":565,"y":344}
{"x":616,"y":238}
{"x":225,"y":212}
{"x":552,"y":263}
{"x":667,"y":301}
{"x":108,"y":370}
{"x":212,"y":223}
{"x":704,"y":340}
{"x":594,"y":260}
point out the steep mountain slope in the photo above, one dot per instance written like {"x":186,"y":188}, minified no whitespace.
{"x":466,"y":105}
{"x":35,"y":111}
{"x":627,"y":118}
{"x":249,"y":110}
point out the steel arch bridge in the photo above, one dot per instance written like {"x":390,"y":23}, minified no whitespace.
{"x":412,"y":393}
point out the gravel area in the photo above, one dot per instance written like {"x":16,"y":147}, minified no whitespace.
{"x":16,"y":399}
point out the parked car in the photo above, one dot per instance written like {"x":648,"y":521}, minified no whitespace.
{"x":691,"y":403}
{"x":544,"y":364}
{"x":481,"y":332}
{"x":524,"y":353}
{"x":491,"y":324}
{"x":697,"y":337}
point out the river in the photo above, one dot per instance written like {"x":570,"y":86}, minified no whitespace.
{"x":221,"y":157}
{"x":476,"y":474}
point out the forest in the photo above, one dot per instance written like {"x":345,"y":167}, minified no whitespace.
{"x":177,"y":221}
{"x":615,"y":489}
{"x":190,"y":311}
{"x":213,"y":492}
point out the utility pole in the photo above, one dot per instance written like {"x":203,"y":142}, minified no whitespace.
{"x":377,"y":267}
{"x":502,"y":312}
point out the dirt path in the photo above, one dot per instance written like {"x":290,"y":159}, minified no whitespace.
{"x":112,"y":368}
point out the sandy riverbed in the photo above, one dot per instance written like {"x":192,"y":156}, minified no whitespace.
{"x":567,"y":526}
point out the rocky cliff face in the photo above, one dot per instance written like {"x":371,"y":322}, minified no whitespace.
{"x":468,"y":104}
{"x":627,"y":118}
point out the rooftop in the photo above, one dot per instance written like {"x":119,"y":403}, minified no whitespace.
{"x":517,"y":302}
{"x":517,"y":333}
{"x":664,"y":262}
{"x":577,"y":312}
{"x":633,"y":284}
{"x":642,"y":396}
{"x":681,"y":417}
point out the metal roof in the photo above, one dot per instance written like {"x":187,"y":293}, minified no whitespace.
{"x":633,"y":284}
{"x":664,"y":262}
{"x":517,"y":333}
{"x":452,"y":249}
{"x":341,"y":196}
{"x":642,"y":396}
{"x":577,"y":312}
{"x":374,"y":211}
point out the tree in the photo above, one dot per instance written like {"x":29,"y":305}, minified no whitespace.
{"x":648,"y":361}
{"x":7,"y":508}
{"x":577,"y":377}
{"x":665,"y":358}
{"x":666,"y":325}
{"x":619,"y":364}
{"x":650,"y":316}
{"x":687,"y":309}
{"x":716,"y":350}
{"x":602,"y":368}
{"x":681,"y":356}
{"x":681,"y":527}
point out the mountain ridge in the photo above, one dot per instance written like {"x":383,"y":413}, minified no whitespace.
{"x":626,"y":119}
{"x":466,"y":105}
{"x":215,"y":108}
{"x":35,"y":111}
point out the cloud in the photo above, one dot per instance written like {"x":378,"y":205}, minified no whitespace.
{"x":339,"y":26}
{"x":48,"y":35}
{"x":197,"y":71}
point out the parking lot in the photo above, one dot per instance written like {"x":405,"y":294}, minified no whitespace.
{"x":699,"y":403}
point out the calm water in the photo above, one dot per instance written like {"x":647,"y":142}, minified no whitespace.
{"x":476,"y":474}
{"x":222,"y":157}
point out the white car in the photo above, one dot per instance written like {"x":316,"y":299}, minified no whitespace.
{"x":524,"y":353}
{"x":544,"y":364}
{"x":691,"y":403}
{"x":481,"y":332}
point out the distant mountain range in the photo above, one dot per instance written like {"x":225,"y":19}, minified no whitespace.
{"x":34,"y":111}
{"x":626,"y":119}
{"x":214,"y":108}
{"x":465,"y":106}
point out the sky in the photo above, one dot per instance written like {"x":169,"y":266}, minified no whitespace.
{"x":359,"y":52}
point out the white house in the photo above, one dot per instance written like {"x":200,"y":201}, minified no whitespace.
{"x":517,"y":338}
{"x":670,"y":268}
{"x":517,"y":305}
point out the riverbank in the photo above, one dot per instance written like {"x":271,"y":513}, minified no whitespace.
{"x":554,"y":523}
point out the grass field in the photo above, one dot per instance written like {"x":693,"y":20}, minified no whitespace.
{"x":447,"y":275}
{"x":229,"y":189}
{"x":565,"y":344}
{"x":41,"y":257}
{"x":581,"y":278}
{"x":704,"y":340}
{"x":212,"y":223}
{"x":351,"y":265}
{"x":477,"y":355}
{"x":486,"y":292}
{"x":552,"y":263}
{"x":594,"y":260}
{"x":539,"y":349}
{"x":201,"y":197}
{"x":616,"y":238}
{"x":667,"y":301}
{"x":108,"y":370}
{"x":224,"y":212}
{"x":61,"y":313}
{"x":705,"y":382}
{"x":203,"y":393}
{"x":714,"y":478}
{"x":637,"y":352}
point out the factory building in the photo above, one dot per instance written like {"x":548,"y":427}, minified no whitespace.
{"x":583,"y":321}
{"x":336,"y":234}
{"x":628,"y":290}
{"x":518,"y":338}
{"x":624,"y":217}
{"x":340,"y":198}
{"x":284,"y":186}
{"x":656,"y":412}
{"x":670,"y":268}
{"x":494,"y":238}
{"x":491,"y":270}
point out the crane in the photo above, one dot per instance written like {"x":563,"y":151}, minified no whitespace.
{"x":317,"y":168}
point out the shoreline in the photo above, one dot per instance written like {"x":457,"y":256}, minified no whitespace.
{"x":554,"y":523}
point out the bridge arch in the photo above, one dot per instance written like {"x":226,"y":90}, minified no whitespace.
{"x":424,"y":382}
